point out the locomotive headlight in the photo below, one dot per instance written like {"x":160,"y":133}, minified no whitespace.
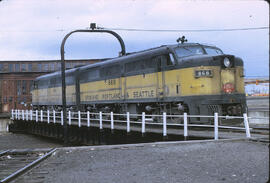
{"x":227,"y":62}
{"x":203,"y":73}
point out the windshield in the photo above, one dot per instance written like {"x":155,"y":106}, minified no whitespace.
{"x":188,"y":51}
{"x":213,"y":51}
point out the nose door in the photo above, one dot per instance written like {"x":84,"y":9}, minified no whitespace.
{"x":228,"y":80}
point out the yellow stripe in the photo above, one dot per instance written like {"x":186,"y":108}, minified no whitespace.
{"x":153,"y":85}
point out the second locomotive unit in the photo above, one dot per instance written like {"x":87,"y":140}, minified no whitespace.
{"x":189,"y":77}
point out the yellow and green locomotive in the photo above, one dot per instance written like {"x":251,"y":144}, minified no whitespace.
{"x":189,"y":77}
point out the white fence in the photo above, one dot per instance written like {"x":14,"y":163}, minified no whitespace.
{"x":85,"y":118}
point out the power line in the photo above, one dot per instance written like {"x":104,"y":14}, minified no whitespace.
{"x":55,"y":30}
{"x":186,"y":30}
{"x":149,"y":30}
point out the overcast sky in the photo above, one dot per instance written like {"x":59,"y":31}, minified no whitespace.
{"x":32,"y":29}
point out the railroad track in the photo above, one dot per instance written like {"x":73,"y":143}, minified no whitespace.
{"x":260,"y":130}
{"x":14,"y":163}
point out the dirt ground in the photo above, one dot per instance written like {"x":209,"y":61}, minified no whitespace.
{"x":23,"y":141}
{"x":209,"y":161}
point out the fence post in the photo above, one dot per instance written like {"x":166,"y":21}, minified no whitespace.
{"x":36,"y":115}
{"x":22,"y":114}
{"x":69,"y":117}
{"x":26,"y":115}
{"x":41,"y":115}
{"x":16,"y":114}
{"x":100,"y":120}
{"x":185,"y":126}
{"x":19,"y":114}
{"x":62,"y":118}
{"x":128,"y":123}
{"x":31,"y":115}
{"x":112,"y":122}
{"x":48,"y":116}
{"x":143,"y":123}
{"x":54,"y":116}
{"x":246,"y":125}
{"x":164,"y":124}
{"x":79,"y":118}
{"x":88,"y":119}
{"x":216,"y":126}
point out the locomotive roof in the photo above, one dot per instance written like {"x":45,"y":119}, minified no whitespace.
{"x":134,"y":55}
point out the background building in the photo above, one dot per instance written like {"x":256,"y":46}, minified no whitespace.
{"x":257,"y":86}
{"x":16,"y":78}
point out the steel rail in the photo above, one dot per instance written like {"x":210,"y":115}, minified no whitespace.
{"x":27,"y":167}
{"x":4,"y":152}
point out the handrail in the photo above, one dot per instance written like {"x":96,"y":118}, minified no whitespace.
{"x":85,"y":119}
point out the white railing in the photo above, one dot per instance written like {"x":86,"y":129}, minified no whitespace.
{"x":86,"y":118}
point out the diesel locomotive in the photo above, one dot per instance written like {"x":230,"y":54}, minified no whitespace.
{"x":189,"y":77}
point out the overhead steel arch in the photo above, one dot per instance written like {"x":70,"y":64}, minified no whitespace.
{"x":62,"y":50}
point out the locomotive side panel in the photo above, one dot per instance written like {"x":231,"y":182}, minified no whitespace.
{"x":142,"y":87}
{"x":192,"y":85}
{"x":56,"y":95}
{"x":101,"y":91}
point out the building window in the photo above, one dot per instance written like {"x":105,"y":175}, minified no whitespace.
{"x":10,"y":67}
{"x":29,"y":67}
{"x":68,"y":65}
{"x":52,"y":66}
{"x":39,"y":67}
{"x":31,"y":85}
{"x":19,"y":91}
{"x":19,"y":100}
{"x":5,"y":100}
{"x":17,"y":67}
{"x":1,"y":67}
{"x":24,"y":100}
{"x":23,"y":67}
{"x":58,"y":66}
{"x":24,"y":87}
{"x":46,"y":67}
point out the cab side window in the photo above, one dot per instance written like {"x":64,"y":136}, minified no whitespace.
{"x":165,"y":61}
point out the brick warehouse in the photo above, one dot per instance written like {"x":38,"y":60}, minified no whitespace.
{"x":16,"y":79}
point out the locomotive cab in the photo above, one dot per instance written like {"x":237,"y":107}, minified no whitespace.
{"x":213,"y":80}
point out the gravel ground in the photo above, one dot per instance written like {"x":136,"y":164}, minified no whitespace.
{"x":222,"y":161}
{"x":23,"y":141}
